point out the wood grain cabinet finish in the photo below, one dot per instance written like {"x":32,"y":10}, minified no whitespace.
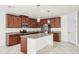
{"x":13,"y":39}
{"x":33,"y":23}
{"x":10,"y":21}
{"x":13,"y":21}
{"x":23,"y":19}
{"x":56,"y":36}
{"x":42,"y":22}
{"x":55,"y":22}
{"x":17,"y":21}
{"x":23,"y":45}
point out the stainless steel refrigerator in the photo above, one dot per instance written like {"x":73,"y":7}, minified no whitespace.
{"x":46,"y":28}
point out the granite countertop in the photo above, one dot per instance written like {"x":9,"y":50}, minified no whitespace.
{"x":18,"y":33}
{"x":38,"y":35}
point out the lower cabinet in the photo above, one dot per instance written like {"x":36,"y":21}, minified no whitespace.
{"x":56,"y":36}
{"x":13,"y":39}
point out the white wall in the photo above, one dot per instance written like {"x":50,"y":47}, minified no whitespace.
{"x":2,"y":29}
{"x":78,"y":30}
{"x":18,"y":29}
{"x":64,"y":29}
{"x":72,"y":27}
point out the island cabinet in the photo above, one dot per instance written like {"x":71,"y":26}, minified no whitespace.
{"x":56,"y":36}
{"x":23,"y":45}
{"x":55,"y":22}
{"x":13,"y":39}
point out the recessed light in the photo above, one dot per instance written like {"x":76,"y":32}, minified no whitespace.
{"x":37,"y":5}
{"x":48,"y":10}
{"x":9,"y":6}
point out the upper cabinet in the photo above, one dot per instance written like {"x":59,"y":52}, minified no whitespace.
{"x":17,"y":21}
{"x":13,"y":21}
{"x":10,"y":21}
{"x":42,"y":22}
{"x":55,"y":22}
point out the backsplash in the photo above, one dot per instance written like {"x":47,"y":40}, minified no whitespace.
{"x":27,"y":29}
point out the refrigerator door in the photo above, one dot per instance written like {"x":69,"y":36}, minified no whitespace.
{"x":44,"y":28}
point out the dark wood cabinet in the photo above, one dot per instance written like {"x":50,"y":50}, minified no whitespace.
{"x":13,"y":39}
{"x":23,"y":45}
{"x":56,"y":36}
{"x":55,"y":22}
{"x":33,"y":23}
{"x":13,"y":21}
{"x":42,"y":22}
{"x":10,"y":21}
{"x":24,"y":19}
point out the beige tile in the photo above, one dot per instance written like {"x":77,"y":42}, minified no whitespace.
{"x":58,"y":48}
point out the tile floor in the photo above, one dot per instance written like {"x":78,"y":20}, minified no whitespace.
{"x":58,"y":48}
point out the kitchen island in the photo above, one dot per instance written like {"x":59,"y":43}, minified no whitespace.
{"x":30,"y":44}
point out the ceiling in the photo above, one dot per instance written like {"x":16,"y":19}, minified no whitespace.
{"x":39,"y":11}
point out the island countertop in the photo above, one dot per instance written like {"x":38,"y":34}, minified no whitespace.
{"x":38,"y":35}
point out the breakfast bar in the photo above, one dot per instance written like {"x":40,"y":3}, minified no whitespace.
{"x":30,"y":44}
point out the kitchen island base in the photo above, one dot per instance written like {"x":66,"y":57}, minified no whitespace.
{"x":30,"y":44}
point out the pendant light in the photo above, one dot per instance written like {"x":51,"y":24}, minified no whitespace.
{"x":48,"y":21}
{"x":38,"y":19}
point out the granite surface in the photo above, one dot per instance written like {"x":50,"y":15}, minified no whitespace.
{"x":38,"y":35}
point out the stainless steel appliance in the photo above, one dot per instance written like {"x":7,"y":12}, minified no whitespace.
{"x":46,"y":28}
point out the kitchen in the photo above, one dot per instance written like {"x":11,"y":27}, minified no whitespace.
{"x":25,"y":30}
{"x":14,"y":21}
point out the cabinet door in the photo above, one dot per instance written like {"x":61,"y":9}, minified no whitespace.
{"x":17,"y":22}
{"x":12,"y":40}
{"x":57,"y":23}
{"x":42,"y":22}
{"x":52,"y":23}
{"x":18,"y":39}
{"x":56,"y":37}
{"x":10,"y":21}
{"x":23,"y":19}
